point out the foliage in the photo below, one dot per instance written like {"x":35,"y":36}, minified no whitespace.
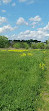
{"x":4,"y":42}
{"x":37,"y":45}
{"x":34,"y":45}
{"x":17,"y":45}
{"x":47,"y":46}
{"x":40,"y":45}
{"x":21,"y":45}
{"x":24,"y":45}
{"x":47,"y":41}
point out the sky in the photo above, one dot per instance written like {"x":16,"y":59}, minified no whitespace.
{"x":24,"y":19}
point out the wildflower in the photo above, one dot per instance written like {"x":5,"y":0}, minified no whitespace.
{"x":29,"y":54}
{"x":23,"y":54}
{"x":42,"y":66}
{"x":16,"y":50}
{"x":44,"y":51}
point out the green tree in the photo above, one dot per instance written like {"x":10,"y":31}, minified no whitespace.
{"x":21,"y":45}
{"x":17,"y":45}
{"x":4,"y":42}
{"x":47,"y":41}
{"x":24,"y":45}
{"x":34,"y":45}
{"x":40,"y":45}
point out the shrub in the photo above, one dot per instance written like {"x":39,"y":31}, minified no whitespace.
{"x":4,"y":42}
{"x":21,"y":45}
{"x":24,"y":45}
{"x":34,"y":46}
{"x":47,"y":41}
{"x":40,"y":45}
{"x":47,"y":46}
{"x":17,"y":45}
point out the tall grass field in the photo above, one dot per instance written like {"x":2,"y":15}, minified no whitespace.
{"x":24,"y":80}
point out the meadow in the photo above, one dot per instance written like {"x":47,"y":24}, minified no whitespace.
{"x":24,"y":80}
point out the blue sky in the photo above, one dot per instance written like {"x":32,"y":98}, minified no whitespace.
{"x":24,"y":19}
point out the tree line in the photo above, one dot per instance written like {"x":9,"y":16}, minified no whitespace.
{"x":35,"y":44}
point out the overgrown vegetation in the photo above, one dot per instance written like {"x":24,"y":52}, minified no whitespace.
{"x":22,"y":76}
{"x":34,"y":44}
{"x":4,"y":43}
{"x":21,"y":45}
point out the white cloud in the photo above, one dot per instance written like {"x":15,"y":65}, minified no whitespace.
{"x":6,"y":1}
{"x":14,"y":4}
{"x":35,"y":19}
{"x":2,"y":20}
{"x":29,"y":35}
{"x":39,"y":34}
{"x":21,"y":21}
{"x":32,"y":21}
{"x":45,"y":29}
{"x":3,"y":11}
{"x":33,"y":24}
{"x":7,"y":28}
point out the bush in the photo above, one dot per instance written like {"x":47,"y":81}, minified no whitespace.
{"x":47,"y":46}
{"x":47,"y":41}
{"x":34,"y":46}
{"x":4,"y":42}
{"x":24,"y":45}
{"x":21,"y":45}
{"x":17,"y":45}
{"x":40,"y":45}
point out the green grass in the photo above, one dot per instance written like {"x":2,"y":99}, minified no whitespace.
{"x":22,"y":80}
{"x":45,"y":89}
